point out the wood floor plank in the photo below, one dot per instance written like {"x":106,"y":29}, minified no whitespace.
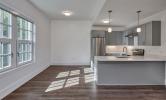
{"x":76,"y":83}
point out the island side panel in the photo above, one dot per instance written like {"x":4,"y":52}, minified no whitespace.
{"x":130,"y":73}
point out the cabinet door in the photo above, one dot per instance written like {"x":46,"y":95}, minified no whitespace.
{"x":130,"y":40}
{"x":142,"y":35}
{"x":148,"y":38}
{"x":114,"y":38}
{"x":156,"y":33}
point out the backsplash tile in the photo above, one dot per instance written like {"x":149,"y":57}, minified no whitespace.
{"x":149,"y":50}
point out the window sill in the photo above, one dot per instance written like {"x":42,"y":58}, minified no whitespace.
{"x":10,"y":69}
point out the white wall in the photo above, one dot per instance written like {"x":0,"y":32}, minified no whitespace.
{"x":70,"y":42}
{"x":150,"y":50}
{"x":12,"y":79}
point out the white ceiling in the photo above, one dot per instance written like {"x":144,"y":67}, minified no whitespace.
{"x":82,"y":9}
{"x":124,"y":11}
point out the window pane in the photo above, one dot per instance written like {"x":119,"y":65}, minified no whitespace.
{"x":26,"y":25}
{"x":19,"y":22}
{"x":20,"y":52}
{"x":0,"y":56}
{"x":25,"y":52}
{"x":19,"y":34}
{"x":29,"y":26}
{"x":6,"y":48}
{"x":29,"y":47}
{"x":6,"y":60}
{"x":24,"y":29}
{"x":6,"y":31}
{"x":29,"y":35}
{"x":0,"y":48}
{"x":1,"y":67}
{"x":20,"y":58}
{"x":25,"y":57}
{"x":24,"y":47}
{"x":1,"y":17}
{"x":23,"y":24}
{"x":1,"y":30}
{"x":20,"y":48}
{"x":29,"y":56}
{"x":23,"y":35}
{"x":5,"y":24}
{"x":6,"y":55}
{"x":6,"y":18}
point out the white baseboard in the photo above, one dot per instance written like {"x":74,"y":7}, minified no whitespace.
{"x":9,"y":89}
{"x":70,"y":64}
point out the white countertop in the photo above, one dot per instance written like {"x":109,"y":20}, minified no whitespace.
{"x":131,"y":58}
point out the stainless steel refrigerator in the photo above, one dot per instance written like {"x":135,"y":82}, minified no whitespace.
{"x":97,"y":47}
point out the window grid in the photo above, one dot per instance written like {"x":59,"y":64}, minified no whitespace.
{"x":5,"y":24}
{"x":5,"y":55}
{"x":16,"y":39}
{"x":24,"y":41}
{"x":5,"y":39}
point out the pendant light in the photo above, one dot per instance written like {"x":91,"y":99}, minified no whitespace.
{"x":109,"y":28}
{"x":138,"y":27}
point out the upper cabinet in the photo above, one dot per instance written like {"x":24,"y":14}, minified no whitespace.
{"x":149,"y":36}
{"x":114,"y":38}
{"x":153,"y":33}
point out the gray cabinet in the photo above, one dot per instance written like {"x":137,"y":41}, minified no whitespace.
{"x":150,"y":34}
{"x":141,"y":35}
{"x":114,"y":38}
{"x":153,"y":33}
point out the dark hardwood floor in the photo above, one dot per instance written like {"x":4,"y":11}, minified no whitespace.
{"x":76,"y":83}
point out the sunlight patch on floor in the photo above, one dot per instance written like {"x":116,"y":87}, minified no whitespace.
{"x":88,"y":70}
{"x":89,"y":78}
{"x":55,"y":85}
{"x":74,"y":72}
{"x":63,"y":74}
{"x":70,"y":78}
{"x":72,"y":81}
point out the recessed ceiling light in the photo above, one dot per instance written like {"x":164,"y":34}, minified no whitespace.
{"x":105,"y":21}
{"x":67,"y":13}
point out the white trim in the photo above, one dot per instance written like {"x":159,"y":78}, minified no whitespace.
{"x":14,"y":68}
{"x":70,"y":64}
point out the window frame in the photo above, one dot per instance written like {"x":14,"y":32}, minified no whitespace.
{"x":13,"y":38}
{"x":6,"y":40}
{"x":25,"y":42}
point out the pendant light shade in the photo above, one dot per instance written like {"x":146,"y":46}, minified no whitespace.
{"x":109,"y":28}
{"x":138,"y":28}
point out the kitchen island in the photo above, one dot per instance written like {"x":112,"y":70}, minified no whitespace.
{"x":133,"y":70}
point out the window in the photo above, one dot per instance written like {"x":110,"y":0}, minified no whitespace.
{"x":5,"y":24}
{"x":16,"y":40}
{"x":5,"y":39}
{"x":24,"y":40}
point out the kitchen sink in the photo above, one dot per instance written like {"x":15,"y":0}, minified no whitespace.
{"x":126,"y":56}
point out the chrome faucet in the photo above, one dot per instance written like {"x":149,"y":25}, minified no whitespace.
{"x":125,"y":50}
